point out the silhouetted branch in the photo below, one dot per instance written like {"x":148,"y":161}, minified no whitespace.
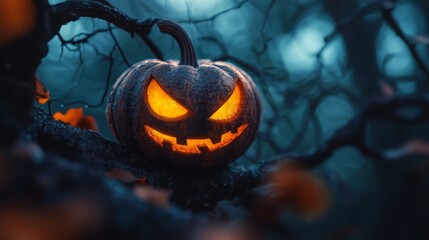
{"x":80,"y":38}
{"x":39,"y":183}
{"x":198,"y":191}
{"x":386,"y":9}
{"x":238,"y":5}
{"x":353,"y":132}
{"x":70,"y":11}
{"x":204,"y":189}
{"x":348,"y":23}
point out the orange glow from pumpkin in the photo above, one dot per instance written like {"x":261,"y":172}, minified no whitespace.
{"x":17,"y":17}
{"x":192,"y":145}
{"x":162,"y":104}
{"x":230,"y":108}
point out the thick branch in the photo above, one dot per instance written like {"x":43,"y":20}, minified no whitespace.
{"x":70,"y":11}
{"x":353,"y":132}
{"x":196,"y":191}
{"x":203,"y":190}
{"x":35,"y":182}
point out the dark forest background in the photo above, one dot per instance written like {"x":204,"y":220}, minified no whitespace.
{"x":313,"y":61}
{"x":316,"y":64}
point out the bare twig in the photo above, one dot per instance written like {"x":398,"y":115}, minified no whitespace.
{"x":387,"y":9}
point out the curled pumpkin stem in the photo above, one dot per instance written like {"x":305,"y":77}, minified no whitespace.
{"x":187,"y":52}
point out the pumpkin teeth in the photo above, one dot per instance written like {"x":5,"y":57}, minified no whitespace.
{"x":204,"y":149}
{"x":193,"y":146}
{"x":181,"y":141}
{"x":216,"y":139}
{"x":167,"y":144}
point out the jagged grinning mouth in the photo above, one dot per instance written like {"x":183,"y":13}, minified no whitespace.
{"x":193,"y":146}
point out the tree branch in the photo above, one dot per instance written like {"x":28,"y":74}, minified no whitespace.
{"x":386,"y":9}
{"x":35,"y":181}
{"x":202,"y":190}
{"x":197,"y":191}
{"x":70,"y":11}
{"x":353,"y":132}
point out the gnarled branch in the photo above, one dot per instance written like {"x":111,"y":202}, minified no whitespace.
{"x":196,"y":191}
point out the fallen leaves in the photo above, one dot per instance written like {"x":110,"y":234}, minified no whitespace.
{"x":386,"y":88}
{"x":42,"y":95}
{"x":141,"y":189}
{"x":291,"y":189}
{"x":65,"y":220}
{"x":72,"y":116}
{"x":121,"y":175}
{"x":17,"y":17}
{"x":76,"y":118}
{"x":22,"y":217}
{"x":410,"y":148}
{"x":225,"y":231}
{"x":158,"y":197}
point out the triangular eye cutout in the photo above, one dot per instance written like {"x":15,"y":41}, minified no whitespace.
{"x":163,"y":105}
{"x":231,"y":108}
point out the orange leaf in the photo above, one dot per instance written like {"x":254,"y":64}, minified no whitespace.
{"x":410,"y":148}
{"x":225,"y":232}
{"x":121,"y":175}
{"x":72,"y":116}
{"x":142,"y":181}
{"x":87,"y":122}
{"x":152,"y":195}
{"x":75,"y":117}
{"x":386,"y":88}
{"x":295,"y":190}
{"x":66,"y":220}
{"x":42,"y":95}
{"x":17,"y":17}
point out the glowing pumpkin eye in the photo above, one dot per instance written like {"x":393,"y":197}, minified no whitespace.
{"x":162,"y":104}
{"x":230,"y":108}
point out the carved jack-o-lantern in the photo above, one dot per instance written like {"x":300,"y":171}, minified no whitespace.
{"x":187,"y":114}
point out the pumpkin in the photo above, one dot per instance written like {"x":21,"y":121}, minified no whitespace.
{"x":189,"y":114}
